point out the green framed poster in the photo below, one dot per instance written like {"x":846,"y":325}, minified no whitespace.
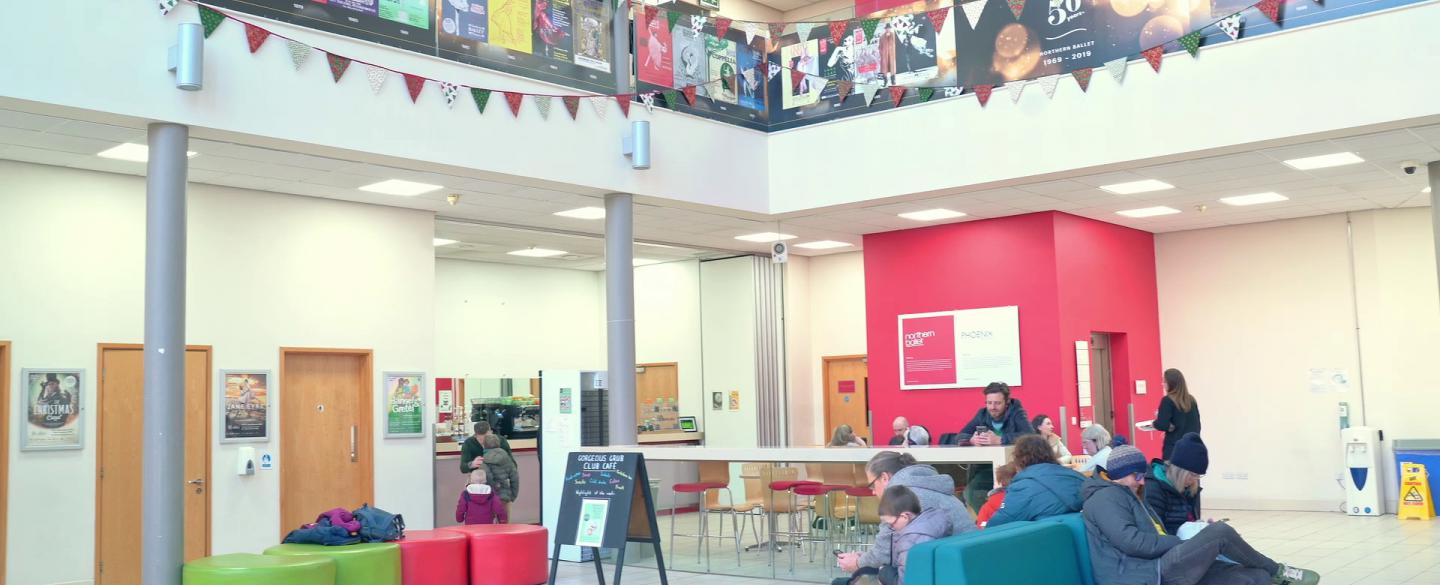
{"x":404,"y":404}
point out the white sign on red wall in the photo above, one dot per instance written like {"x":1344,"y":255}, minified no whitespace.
{"x":960,"y":349}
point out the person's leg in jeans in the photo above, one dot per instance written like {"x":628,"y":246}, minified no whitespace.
{"x":1189,"y":562}
{"x":1222,"y":573}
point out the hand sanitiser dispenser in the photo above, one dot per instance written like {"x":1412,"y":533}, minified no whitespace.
{"x":1362,"y":466}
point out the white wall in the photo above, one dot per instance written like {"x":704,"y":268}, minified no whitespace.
{"x":801,"y":392}
{"x":1246,"y":311}
{"x":667,"y":327}
{"x":504,"y":321}
{"x":827,"y":294}
{"x":727,"y":312}
{"x":264,"y":271}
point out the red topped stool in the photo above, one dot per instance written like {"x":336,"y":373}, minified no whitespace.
{"x":506,"y":554}
{"x":822,"y":502}
{"x":434,"y":557}
{"x":789,"y":505}
{"x":714,"y":477}
{"x":860,"y":512}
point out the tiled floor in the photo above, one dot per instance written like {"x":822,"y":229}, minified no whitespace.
{"x":1345,"y":550}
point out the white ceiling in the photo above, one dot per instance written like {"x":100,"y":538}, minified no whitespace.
{"x":501,"y":214}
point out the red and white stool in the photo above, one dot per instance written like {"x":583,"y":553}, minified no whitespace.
{"x":703,"y":537}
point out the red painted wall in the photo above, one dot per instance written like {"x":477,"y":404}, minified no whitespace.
{"x":1068,"y":276}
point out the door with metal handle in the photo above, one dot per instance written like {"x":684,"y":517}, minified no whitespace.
{"x":354,"y":455}
{"x":199,"y":484}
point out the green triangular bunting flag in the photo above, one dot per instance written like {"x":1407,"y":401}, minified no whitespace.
{"x":672,"y":98}
{"x":926,"y":93}
{"x":1191,"y":42}
{"x":211,"y":19}
{"x":869,"y":25}
{"x":482,"y":97}
{"x":672,"y":17}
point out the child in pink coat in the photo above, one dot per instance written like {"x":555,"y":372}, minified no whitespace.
{"x":479,"y":504}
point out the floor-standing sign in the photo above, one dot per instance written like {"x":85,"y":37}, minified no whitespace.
{"x":599,"y":508}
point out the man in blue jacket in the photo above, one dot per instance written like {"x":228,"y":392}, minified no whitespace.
{"x":1042,"y":489}
{"x":1001,"y":422}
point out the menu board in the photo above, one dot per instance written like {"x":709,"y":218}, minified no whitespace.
{"x":605,"y":501}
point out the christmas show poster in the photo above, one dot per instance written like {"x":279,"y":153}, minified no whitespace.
{"x":653,"y":46}
{"x":568,"y":42}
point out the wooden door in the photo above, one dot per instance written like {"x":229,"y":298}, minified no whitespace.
{"x":325,"y":433}
{"x":4,"y":448}
{"x":118,"y":465}
{"x":847,"y":395}
{"x":657,"y":396}
{"x":1101,"y":389}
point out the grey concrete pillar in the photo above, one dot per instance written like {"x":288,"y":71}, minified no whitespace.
{"x":620,"y":53}
{"x":162,"y":516}
{"x":620,"y":316}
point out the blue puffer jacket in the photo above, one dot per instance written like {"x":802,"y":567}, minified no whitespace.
{"x":1040,"y":491}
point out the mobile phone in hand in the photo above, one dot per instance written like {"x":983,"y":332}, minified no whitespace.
{"x":837,"y":552}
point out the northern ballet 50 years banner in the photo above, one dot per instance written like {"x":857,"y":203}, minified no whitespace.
{"x":960,"y":349}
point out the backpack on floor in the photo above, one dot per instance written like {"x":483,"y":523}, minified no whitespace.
{"x":377,"y":525}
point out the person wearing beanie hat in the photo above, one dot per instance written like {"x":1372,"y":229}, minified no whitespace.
{"x":1172,"y":488}
{"x":1130,"y":546}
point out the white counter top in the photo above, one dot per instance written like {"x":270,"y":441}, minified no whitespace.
{"x":994,"y":455}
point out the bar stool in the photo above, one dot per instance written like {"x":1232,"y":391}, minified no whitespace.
{"x":710,"y":482}
{"x":787,"y":504}
{"x":754,"y":475}
{"x":822,"y":503}
{"x":862,"y":511}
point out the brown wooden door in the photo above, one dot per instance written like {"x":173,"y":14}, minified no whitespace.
{"x":325,"y":433}
{"x":657,"y":396}
{"x":4,"y":448}
{"x":847,"y":401}
{"x":118,"y":465}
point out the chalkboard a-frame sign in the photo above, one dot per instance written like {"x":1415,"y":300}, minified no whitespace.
{"x":599,"y":508}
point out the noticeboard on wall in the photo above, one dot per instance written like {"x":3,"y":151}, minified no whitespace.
{"x":960,"y":349}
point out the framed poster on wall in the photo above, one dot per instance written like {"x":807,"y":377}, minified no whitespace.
{"x":960,"y":349}
{"x":404,"y":404}
{"x":245,"y":399}
{"x":51,"y":418}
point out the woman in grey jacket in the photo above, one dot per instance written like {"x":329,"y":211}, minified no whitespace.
{"x":1129,"y":546}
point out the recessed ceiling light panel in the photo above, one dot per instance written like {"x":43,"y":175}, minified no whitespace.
{"x":1134,"y":187}
{"x":538,"y":253}
{"x":583,"y":213}
{"x":132,"y":152}
{"x":932,"y":215}
{"x":765,"y":237}
{"x":1148,"y":212}
{"x":401,"y":188}
{"x":824,"y":245}
{"x":1255,"y":199}
{"x":442,"y":242}
{"x":1324,"y":161}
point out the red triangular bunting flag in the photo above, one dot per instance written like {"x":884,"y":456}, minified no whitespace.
{"x":514,"y":99}
{"x":1153,"y":56}
{"x":837,"y":30}
{"x":338,"y":65}
{"x":722,"y":26}
{"x":1271,"y":9}
{"x":1017,"y":6}
{"x":624,"y":101}
{"x":796,"y":76}
{"x":572,"y":104}
{"x":938,"y":18}
{"x":1082,"y":77}
{"x":414,"y":83}
{"x":897,"y":93}
{"x":845,"y":86}
{"x":983,"y":93}
{"x":689,"y":92}
{"x":255,"y":36}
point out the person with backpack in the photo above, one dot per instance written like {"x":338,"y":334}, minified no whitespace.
{"x":501,"y":470}
{"x":479,"y":504}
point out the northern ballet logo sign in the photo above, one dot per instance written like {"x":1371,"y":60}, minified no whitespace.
{"x":927,"y":354}
{"x":965,"y":348}
{"x":918,"y":338}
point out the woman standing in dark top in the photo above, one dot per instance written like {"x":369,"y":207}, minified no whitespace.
{"x":1179,"y":414}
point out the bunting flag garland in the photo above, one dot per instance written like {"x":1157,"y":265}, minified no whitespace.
{"x":982,"y":92}
{"x":869,"y":90}
{"x":414,"y":84}
{"x":601,"y":106}
{"x":777,"y":29}
{"x":377,"y":76}
{"x":338,"y":65}
{"x":1016,"y":6}
{"x":837,"y":31}
{"x":542,"y":103}
{"x":897,"y":93}
{"x":950,"y":92}
{"x":796,"y":76}
{"x":1049,"y":83}
{"x":649,"y":100}
{"x":450,"y":91}
{"x":514,"y":100}
{"x":1016,"y":88}
{"x":1082,"y":77}
{"x":672,"y":98}
{"x":1191,"y":42}
{"x":869,"y":25}
{"x":1271,"y":9}
{"x":481,"y":97}
{"x":255,"y":36}
{"x":938,"y":18}
{"x":166,"y":6}
{"x":1153,"y":55}
{"x":1117,"y":69}
{"x":671,"y":17}
{"x":697,"y":23}
{"x":299,"y":53}
{"x":572,"y":105}
{"x":844,"y":86}
{"x":926,"y":93}
{"x":773,"y":71}
{"x":804,"y":29}
{"x":624,"y":101}
{"x":689,"y":93}
{"x":722,"y":26}
{"x":749,"y":32}
{"x":211,"y":19}
{"x":973,"y":10}
{"x":1231,"y":26}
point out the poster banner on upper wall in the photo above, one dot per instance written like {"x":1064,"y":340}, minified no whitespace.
{"x":960,"y":349}
{"x":561,"y":41}
{"x":405,"y":24}
{"x":404,"y":404}
{"x":50,"y":419}
{"x":728,"y":73}
{"x":245,"y":399}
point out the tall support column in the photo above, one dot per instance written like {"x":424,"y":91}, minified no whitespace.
{"x":620,"y":316}
{"x":620,"y":51}
{"x":162,"y":513}
{"x":1434,"y":169}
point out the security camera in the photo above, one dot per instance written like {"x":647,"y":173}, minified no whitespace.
{"x":1410,"y":167}
{"x":452,"y":198}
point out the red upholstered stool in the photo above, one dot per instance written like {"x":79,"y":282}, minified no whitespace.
{"x":822,"y":501}
{"x":703,"y":537}
{"x":434,"y":557}
{"x":506,"y":554}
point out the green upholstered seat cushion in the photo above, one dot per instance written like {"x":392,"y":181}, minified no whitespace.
{"x":248,"y":569}
{"x":356,"y":564}
{"x":1035,"y":552}
{"x":920,"y":563}
{"x":1076,"y":524}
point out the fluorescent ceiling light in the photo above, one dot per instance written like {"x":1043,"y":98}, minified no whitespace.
{"x":932,"y":214}
{"x":765,"y":237}
{"x":1324,"y":161}
{"x":538,"y":253}
{"x":1134,"y":187}
{"x":442,"y":242}
{"x":401,"y":188}
{"x":823,"y":245}
{"x":1425,"y":190}
{"x":132,"y":152}
{"x":1256,"y":199}
{"x":583,"y":213}
{"x":1149,"y":211}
